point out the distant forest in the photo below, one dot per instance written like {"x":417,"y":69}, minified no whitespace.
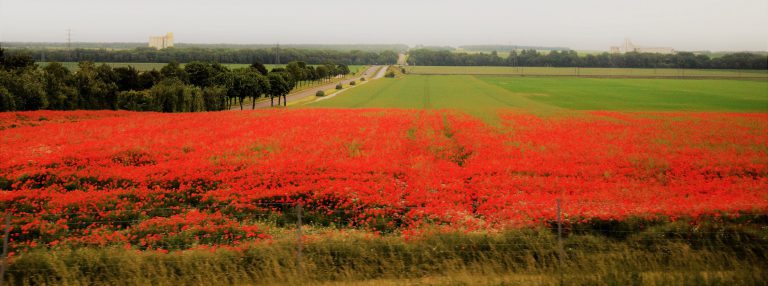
{"x":509,"y":48}
{"x":220,"y":55}
{"x":133,"y":45}
{"x":533,"y":58}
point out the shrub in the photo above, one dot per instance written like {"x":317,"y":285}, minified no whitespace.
{"x":352,"y":83}
{"x":339,"y":86}
{"x":362,"y":79}
{"x":390,"y":74}
{"x":320,"y":93}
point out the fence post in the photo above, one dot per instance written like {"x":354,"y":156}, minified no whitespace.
{"x":5,"y":248}
{"x":560,"y":240}
{"x":298,"y":241}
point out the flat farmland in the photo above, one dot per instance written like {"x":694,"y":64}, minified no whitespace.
{"x":483,"y":96}
{"x":365,"y":168}
{"x":438,"y":175}
{"x":382,"y":192}
{"x":586,"y":72}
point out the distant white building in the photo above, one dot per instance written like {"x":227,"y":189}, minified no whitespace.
{"x":629,"y":47}
{"x":161,"y":42}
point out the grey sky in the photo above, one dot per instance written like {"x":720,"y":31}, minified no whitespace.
{"x":579,"y":24}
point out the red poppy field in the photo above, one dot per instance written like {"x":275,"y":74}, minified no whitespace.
{"x":183,"y":181}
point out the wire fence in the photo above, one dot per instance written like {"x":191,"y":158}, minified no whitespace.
{"x":298,"y":216}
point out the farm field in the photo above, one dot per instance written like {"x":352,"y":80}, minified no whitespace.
{"x":150,"y":66}
{"x":491,"y":143}
{"x":484,"y":96}
{"x":585,"y":72}
{"x":399,"y":180}
{"x":369,"y":180}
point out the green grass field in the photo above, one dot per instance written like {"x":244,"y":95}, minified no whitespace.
{"x":590,"y":72}
{"x":482,"y":96}
{"x":149,"y":66}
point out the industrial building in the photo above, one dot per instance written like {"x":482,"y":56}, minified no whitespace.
{"x":629,"y":47}
{"x":161,"y":42}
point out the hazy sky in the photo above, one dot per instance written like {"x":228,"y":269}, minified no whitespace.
{"x":578,"y":24}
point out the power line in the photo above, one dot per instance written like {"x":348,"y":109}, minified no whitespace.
{"x":277,"y":54}
{"x":69,"y":45}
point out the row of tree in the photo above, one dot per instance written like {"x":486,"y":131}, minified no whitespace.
{"x":185,"y":55}
{"x":198,"y":86}
{"x":533,"y":58}
{"x":508,"y":48}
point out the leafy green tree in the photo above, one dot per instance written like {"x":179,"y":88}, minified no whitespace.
{"x":148,"y":79}
{"x":226,"y":79}
{"x":108,"y":78}
{"x":258,"y":66}
{"x":261,"y":87}
{"x":322,"y":72}
{"x":248,"y":83}
{"x":17,"y":61}
{"x":7,"y":102}
{"x":193,"y":99}
{"x":215,"y":98}
{"x":388,"y":58}
{"x":296,"y":70}
{"x":29,"y":90}
{"x":342,"y":69}
{"x":94,"y":86}
{"x":332,"y":70}
{"x":136,"y":100}
{"x":58,"y":87}
{"x":281,"y":85}
{"x":167,"y":95}
{"x":127,"y":78}
{"x":174,"y":70}
{"x":311,"y":73}
{"x":199,"y":73}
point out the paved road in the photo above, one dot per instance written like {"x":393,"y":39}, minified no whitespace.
{"x":401,"y":59}
{"x":369,"y":73}
{"x":381,"y":73}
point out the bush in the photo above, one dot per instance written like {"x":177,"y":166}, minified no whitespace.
{"x":320,"y":93}
{"x":362,"y":79}
{"x":390,"y":74}
{"x":7,"y":102}
{"x":352,"y":83}
{"x":135,"y":100}
{"x":339,"y":86}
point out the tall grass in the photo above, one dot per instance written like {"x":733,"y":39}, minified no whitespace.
{"x":661,"y":254}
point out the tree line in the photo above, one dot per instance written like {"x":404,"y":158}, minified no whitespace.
{"x":508,"y":48}
{"x":533,"y":58}
{"x":198,"y":86}
{"x":133,"y":45}
{"x":185,"y":55}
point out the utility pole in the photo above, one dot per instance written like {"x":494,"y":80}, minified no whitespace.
{"x":69,"y":45}
{"x":277,"y":54}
